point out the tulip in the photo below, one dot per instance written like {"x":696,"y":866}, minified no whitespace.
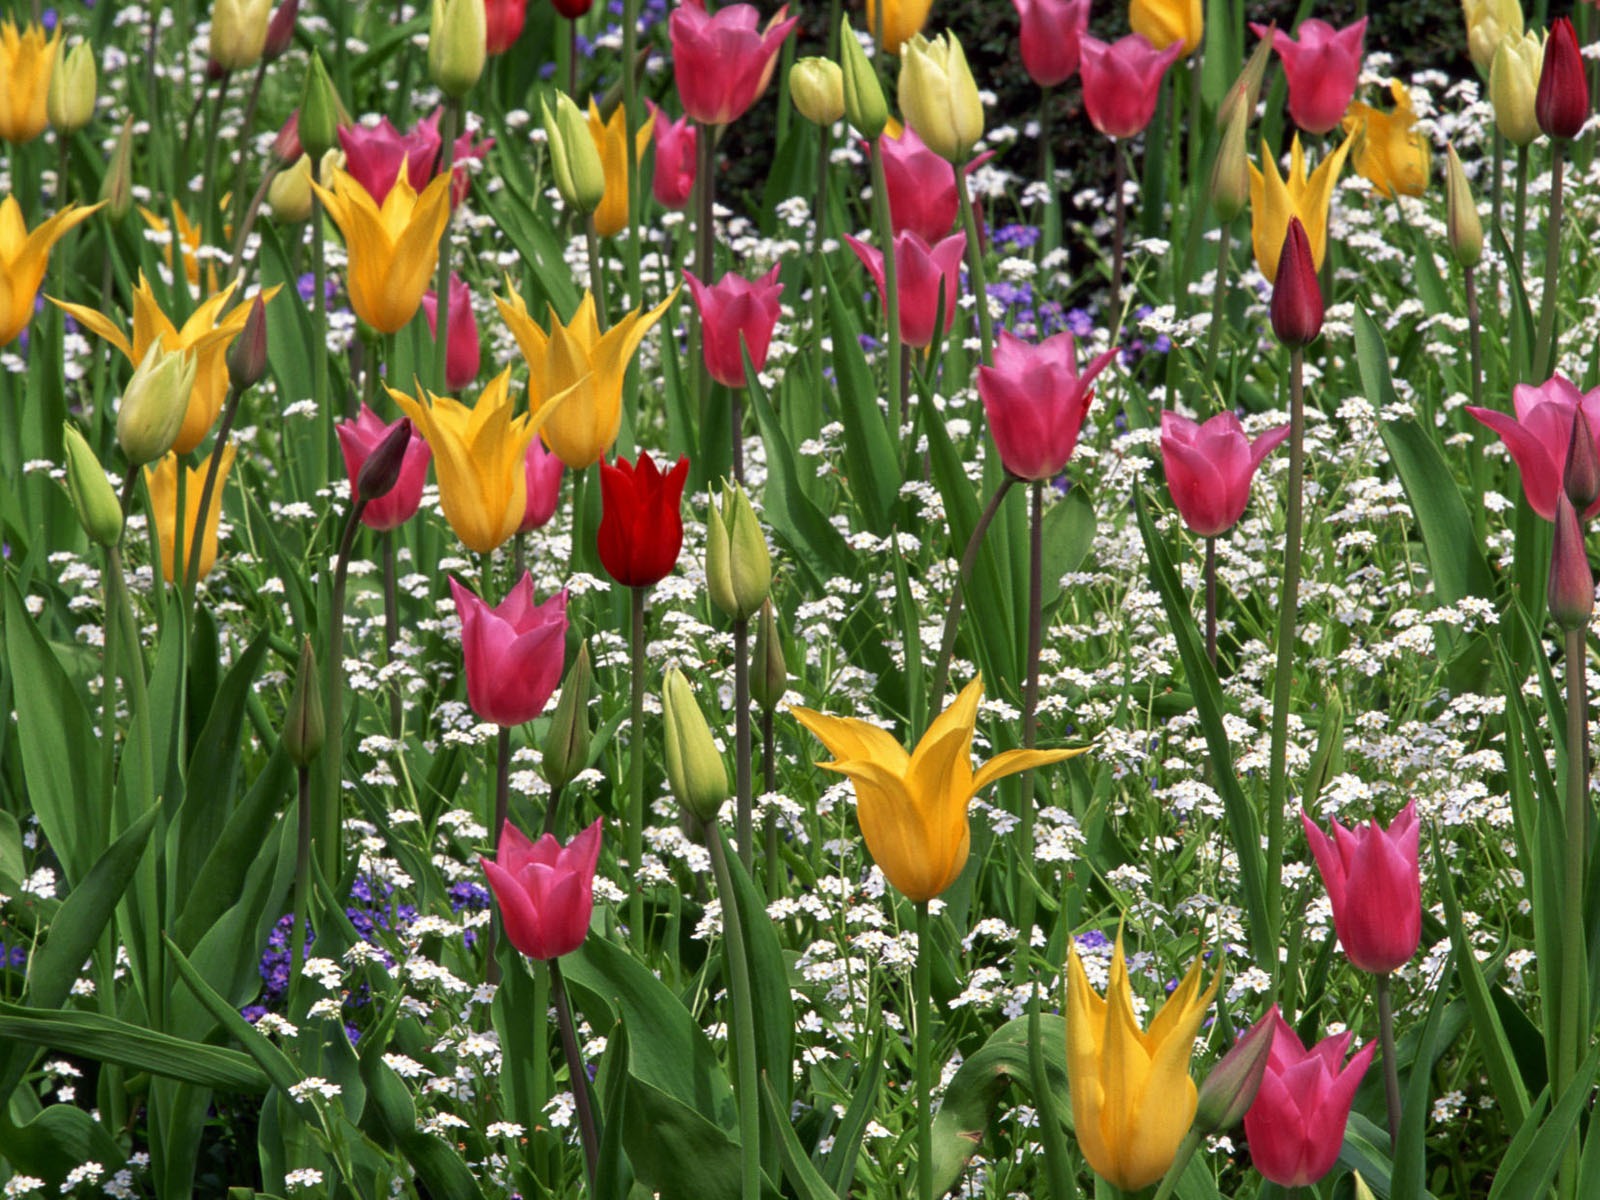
{"x":1540,"y":434}
{"x":1051,"y":31}
{"x":1514,"y":85}
{"x":393,"y":249}
{"x":902,"y":20}
{"x":722,"y":61}
{"x":738,"y":565}
{"x":1570,"y":586}
{"x":161,"y":481}
{"x":863,"y":94}
{"x":94,"y":500}
{"x":286,"y":147}
{"x":70,"y":101}
{"x":641,"y":521}
{"x":1490,"y":22}
{"x":1562,"y":101}
{"x":116,"y":187}
{"x":677,"y":143}
{"x":545,"y":890}
{"x":207,"y":333}
{"x":770,"y":677}
{"x":239,"y":32}
{"x":695,"y":767}
{"x":920,"y":269}
{"x":1580,"y":476}
{"x":357,"y":440}
{"x":505,"y":19}
{"x":610,"y":136}
{"x":457,"y":45}
{"x":1322,"y":68}
{"x":322,"y":113}
{"x":1164,"y":22}
{"x":463,"y":349}
{"x":737,"y":315}
{"x":1296,"y":1125}
{"x":1231,"y":1087}
{"x":572,"y":9}
{"x":921,"y":186}
{"x":304,"y":726}
{"x":1245,"y":90}
{"x":375,"y":155}
{"x":816,"y":85}
{"x":380,"y":474}
{"x":1132,"y":1098}
{"x":579,"y":359}
{"x":1121,"y":82}
{"x":23,"y":258}
{"x":543,"y":471}
{"x":1036,"y":401}
{"x":514,"y":653}
{"x":1274,"y":201}
{"x":1463,"y":229}
{"x":1229,"y":185}
{"x":574,"y":155}
{"x":1209,"y":468}
{"x":1389,"y":151}
{"x":939,"y":96}
{"x":27,"y":58}
{"x":913,"y":808}
{"x":1296,"y":292}
{"x":1373,"y":884}
{"x":280,"y":30}
{"x":289,"y":193}
{"x":151,"y":411}
{"x":566,"y":744}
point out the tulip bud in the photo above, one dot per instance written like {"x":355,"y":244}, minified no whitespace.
{"x":939,"y":97}
{"x":816,"y":85}
{"x":1230,"y":173}
{"x":1230,"y":1089}
{"x":1580,"y":478}
{"x":321,"y":112}
{"x":1562,"y":101}
{"x":1571,"y":584}
{"x":280,"y":32}
{"x":566,"y":746}
{"x":574,"y":157}
{"x":457,"y":45}
{"x":1296,"y":294}
{"x":863,"y":95}
{"x":1462,"y":226}
{"x":1362,"y":1192}
{"x":247,"y":357}
{"x":116,"y":189}
{"x":770,"y":679}
{"x":93,"y":498}
{"x":154,"y":404}
{"x":289,"y":194}
{"x":1250,"y":81}
{"x":695,"y":769}
{"x":1513,"y":84}
{"x":738,"y":566}
{"x":381,"y":471}
{"x":70,"y":100}
{"x":302,"y":721}
{"x":1490,"y":22}
{"x":239,"y":32}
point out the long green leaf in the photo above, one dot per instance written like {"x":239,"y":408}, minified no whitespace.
{"x":1410,"y":1158}
{"x":806,"y":1180}
{"x":869,"y":453}
{"x":1535,"y":1154}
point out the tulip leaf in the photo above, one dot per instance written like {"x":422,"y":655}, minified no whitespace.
{"x":1069,"y":528}
{"x":840,"y":1166}
{"x":614,"y":1176}
{"x":440,"y":1169}
{"x":869,"y":448}
{"x":1535,"y":1153}
{"x":769,"y":984}
{"x":798,"y":1169}
{"x":1406,"y":1181}
{"x":58,"y":1139}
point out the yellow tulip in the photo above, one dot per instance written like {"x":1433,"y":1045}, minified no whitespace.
{"x":939,"y":96}
{"x":578,"y":358}
{"x":1387,"y":148}
{"x":1163,"y":22}
{"x":207,"y":332}
{"x":1488,"y":23}
{"x":1514,"y":85}
{"x":1132,"y":1098}
{"x":913,"y":807}
{"x":394,"y":249}
{"x":610,"y":138}
{"x":161,"y":481}
{"x":901,"y":19}
{"x":1273,"y":200}
{"x":239,"y":32}
{"x":23,"y":258}
{"x":27,"y":57}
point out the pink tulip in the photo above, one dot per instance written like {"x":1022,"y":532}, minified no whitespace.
{"x":514,"y":653}
{"x":1296,"y":1125}
{"x":1373,"y":884}
{"x":463,"y":349}
{"x":1036,"y":402}
{"x":467,"y":149}
{"x":545,"y":890}
{"x":1209,"y":468}
{"x":1322,"y":67}
{"x":373,"y":155}
{"x":677,"y":144}
{"x":723,"y":61}
{"x":357,"y":440}
{"x":544,"y":486}
{"x":1051,"y":31}
{"x":919,"y":270}
{"x":1539,"y":434}
{"x":736,"y":306}
{"x":1121,"y":81}
{"x":505,"y":19}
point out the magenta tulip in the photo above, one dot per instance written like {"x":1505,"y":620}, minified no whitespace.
{"x":462,"y":348}
{"x":1036,"y":401}
{"x":1209,"y":468}
{"x":919,"y":271}
{"x":736,"y":306}
{"x":1051,"y":33}
{"x":677,"y":143}
{"x":357,"y":440}
{"x":1322,"y":67}
{"x":1121,"y":81}
{"x":514,"y":653}
{"x":922,"y":186}
{"x":374,"y":155}
{"x":1296,"y":291}
{"x":544,"y":485}
{"x":545,"y":890}
{"x":722,"y":61}
{"x":1296,"y":1125}
{"x":1539,"y":435}
{"x":1373,"y":883}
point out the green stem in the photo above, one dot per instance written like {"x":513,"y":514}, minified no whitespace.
{"x":1186,"y":1148}
{"x":980,"y":282}
{"x":597,"y":276}
{"x":1219,"y":307}
{"x":1211,"y":601}
{"x":1544,"y":355}
{"x":1119,"y":235}
{"x":769,"y":776}
{"x":635,"y":833}
{"x":1571,"y":1039}
{"x":449,"y":127}
{"x":302,"y":875}
{"x":576,"y":1074}
{"x":327,"y":826}
{"x":191,"y":575}
{"x":952,"y":615}
{"x":1391,"y":1065}
{"x":319,"y":325}
{"x":922,"y":986}
{"x":502,"y":804}
{"x":207,"y":220}
{"x":245,"y":128}
{"x":391,"y":633}
{"x":705,"y":188}
{"x":1474,"y":334}
{"x":1030,"y":720}
{"x":891,"y":288}
{"x":630,"y":105}
{"x":741,"y":717}
{"x":744,"y":1020}
{"x":1519,"y":231}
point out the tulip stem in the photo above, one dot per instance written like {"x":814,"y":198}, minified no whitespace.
{"x":191,"y":573}
{"x":769,"y":776}
{"x":577,"y":1075}
{"x":450,"y":126}
{"x":391,"y":631}
{"x":597,"y":278}
{"x":1391,"y":1066}
{"x":241,"y":230}
{"x":952,"y":614}
{"x":741,"y":718}
{"x":1219,"y":306}
{"x":1211,"y":601}
{"x":302,"y":874}
{"x":208,"y":186}
{"x":705,"y":186}
{"x":922,"y":985}
{"x":1030,"y":718}
{"x":891,"y":288}
{"x":1574,"y":1001}
{"x":328,"y":823}
{"x":980,"y":282}
{"x":1519,"y":230}
{"x":319,"y":313}
{"x":502,"y":804}
{"x":744,"y":1021}
{"x":1119,"y":233}
{"x":1544,"y":355}
{"x":552,"y":810}
{"x":1180,"y":1161}
{"x":635,"y":835}
{"x":245,"y":126}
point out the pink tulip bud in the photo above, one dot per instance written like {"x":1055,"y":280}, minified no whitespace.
{"x":358,"y":440}
{"x":1571,"y":584}
{"x":381,"y":472}
{"x":545,"y":890}
{"x":1539,"y":437}
{"x":1233,"y":1084}
{"x":286,"y":146}
{"x":1122,"y":80}
{"x":677,"y":145}
{"x":919,"y":271}
{"x":1322,"y":67}
{"x":1036,"y":401}
{"x":1209,"y":468}
{"x":1561,"y":104}
{"x":544,"y":485}
{"x":1580,"y":477}
{"x":1375,"y":888}
{"x":1296,"y":293}
{"x":1051,"y":32}
{"x":463,"y":349}
{"x":374,"y":155}
{"x":736,"y":307}
{"x":247,"y":357}
{"x":514,"y":653}
{"x":280,"y":30}
{"x":1296,"y":1125}
{"x":722,"y":61}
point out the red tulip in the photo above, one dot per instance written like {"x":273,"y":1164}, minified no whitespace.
{"x":280,"y":30}
{"x":1539,"y":436}
{"x":723,"y":61}
{"x":572,"y":9}
{"x":641,"y":522}
{"x":505,"y":19}
{"x":1036,"y":401}
{"x":1296,"y":1125}
{"x":463,"y":350}
{"x":1562,"y":102}
{"x":1122,"y":80}
{"x":357,"y":440}
{"x":677,"y":143}
{"x":736,"y":306}
{"x":544,"y":486}
{"x":1051,"y":31}
{"x":1373,"y":883}
{"x":545,"y":890}
{"x":1209,"y":468}
{"x":1296,"y":293}
{"x":919,"y":271}
{"x":1322,"y":68}
{"x":286,"y":146}
{"x":514,"y":653}
{"x":1570,"y":585}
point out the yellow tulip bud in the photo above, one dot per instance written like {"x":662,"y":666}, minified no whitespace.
{"x":1363,"y":1192}
{"x":863,"y":95}
{"x":289,"y":193}
{"x":1514,"y":85}
{"x":1463,"y":226}
{"x":1230,"y":173}
{"x":1163,"y":22}
{"x":695,"y":768}
{"x":1489,"y":22}
{"x":574,"y":157}
{"x":816,"y":85}
{"x":154,"y":403}
{"x":457,"y":45}
{"x":116,"y":189}
{"x":239,"y":32}
{"x":72,"y":90}
{"x":939,"y":96}
{"x":738,"y":566}
{"x":93,"y":498}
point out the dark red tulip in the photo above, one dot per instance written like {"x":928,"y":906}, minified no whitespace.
{"x":1571,"y":583}
{"x":1296,"y":295}
{"x":572,"y":9}
{"x":641,"y":523}
{"x":1562,"y":103}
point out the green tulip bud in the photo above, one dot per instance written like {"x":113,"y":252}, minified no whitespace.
{"x":94,"y":499}
{"x":695,"y":769}
{"x":321,"y":112}
{"x":70,"y":100}
{"x":154,"y":404}
{"x":116,"y":189}
{"x":1246,"y":90}
{"x":770,"y":678}
{"x":303,"y":729}
{"x":1462,"y":224}
{"x":457,"y":45}
{"x":1230,"y":173}
{"x":863,"y":95}
{"x":1230,"y":1089}
{"x":738,"y":566}
{"x":566,"y":746}
{"x":816,"y":85}
{"x":574,"y":157}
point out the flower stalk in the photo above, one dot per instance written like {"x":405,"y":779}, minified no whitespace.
{"x":922,"y":987}
{"x":891,"y":288}
{"x":1544,"y":353}
{"x":743,"y":789}
{"x":1382,"y":984}
{"x":744,"y":1022}
{"x":1180,"y":1162}
{"x":635,"y":832}
{"x":980,"y":283}
{"x":952,"y":616}
{"x":577,"y":1074}
{"x":449,"y":128}
{"x":1030,"y":715}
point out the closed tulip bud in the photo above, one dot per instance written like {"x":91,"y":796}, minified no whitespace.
{"x":457,"y":45}
{"x":566,"y":746}
{"x":72,"y":90}
{"x":1490,"y":22}
{"x":738,"y":566}
{"x":939,"y":97}
{"x":247,"y":357}
{"x":154,"y":404}
{"x":1513,"y":85}
{"x":695,"y":769}
{"x":575,"y":159}
{"x":1230,"y":173}
{"x":239,"y":32}
{"x":286,"y":147}
{"x":770,"y":679}
{"x":303,"y":729}
{"x":381,"y":471}
{"x":1571,"y":584}
{"x":1462,"y":226}
{"x":1246,"y":89}
{"x":1296,"y":294}
{"x":116,"y":189}
{"x":321,"y":112}
{"x":1580,"y":478}
{"x":816,"y":85}
{"x":1230,"y":1089}
{"x":280,"y":31}
{"x":863,"y":95}
{"x":1562,"y":101}
{"x":1363,"y":1192}
{"x":93,"y":498}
